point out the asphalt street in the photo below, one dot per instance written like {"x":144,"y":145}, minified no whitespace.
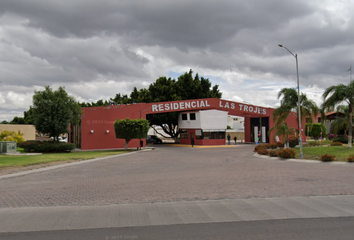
{"x":180,"y":193}
{"x":295,"y":229}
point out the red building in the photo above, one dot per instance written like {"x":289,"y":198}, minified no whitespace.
{"x":97,"y":131}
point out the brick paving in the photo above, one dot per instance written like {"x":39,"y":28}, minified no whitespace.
{"x":176,"y":174}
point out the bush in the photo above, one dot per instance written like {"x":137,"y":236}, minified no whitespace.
{"x":259,"y":146}
{"x":280,"y":144}
{"x":286,"y":153}
{"x":11,"y":136}
{"x":350,"y":158}
{"x":273,"y":153}
{"x":262,"y":151}
{"x":46,"y":146}
{"x":293,"y":142}
{"x":341,"y":139}
{"x":336,"y":144}
{"x":330,"y":136}
{"x":327,"y":158}
{"x":273,"y":145}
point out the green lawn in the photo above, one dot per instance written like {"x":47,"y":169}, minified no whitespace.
{"x":24,"y":160}
{"x":341,"y":152}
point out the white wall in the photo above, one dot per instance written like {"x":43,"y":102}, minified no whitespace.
{"x":208,"y":119}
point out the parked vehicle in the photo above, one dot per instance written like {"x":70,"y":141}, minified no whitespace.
{"x":153,"y":139}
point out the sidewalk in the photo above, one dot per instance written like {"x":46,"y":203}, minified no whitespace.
{"x":170,"y":213}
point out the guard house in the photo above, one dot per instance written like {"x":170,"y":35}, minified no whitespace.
{"x":204,"y":120}
{"x":206,"y":127}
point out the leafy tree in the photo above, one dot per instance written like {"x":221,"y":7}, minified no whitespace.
{"x":315,"y":130}
{"x":53,"y":112}
{"x":129,"y":129}
{"x":289,"y":103}
{"x":4,"y":122}
{"x":28,"y":116}
{"x":18,"y":120}
{"x":284,"y":131}
{"x":337,"y":94}
{"x":340,"y":125}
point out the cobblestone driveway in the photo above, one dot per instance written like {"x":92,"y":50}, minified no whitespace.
{"x":173,"y":174}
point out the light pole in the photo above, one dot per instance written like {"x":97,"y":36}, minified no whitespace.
{"x":350,"y":76}
{"x":298,"y":97}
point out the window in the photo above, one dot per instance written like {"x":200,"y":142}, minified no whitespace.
{"x":214,"y":135}
{"x":192,"y":116}
{"x":184,"y":117}
{"x":184,"y":134}
{"x":198,"y":134}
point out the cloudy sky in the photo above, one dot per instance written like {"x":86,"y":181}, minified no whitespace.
{"x":97,"y":49}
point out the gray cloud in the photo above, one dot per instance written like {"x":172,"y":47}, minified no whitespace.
{"x":99,"y":48}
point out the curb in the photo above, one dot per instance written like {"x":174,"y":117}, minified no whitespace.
{"x":302,"y":160}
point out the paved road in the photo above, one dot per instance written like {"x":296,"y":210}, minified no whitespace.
{"x":294,"y":229}
{"x":171,"y":185}
{"x":176,"y":174}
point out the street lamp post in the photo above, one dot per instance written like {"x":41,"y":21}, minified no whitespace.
{"x":298,"y":97}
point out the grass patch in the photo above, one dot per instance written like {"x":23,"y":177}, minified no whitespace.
{"x":25,"y":160}
{"x":341,"y":152}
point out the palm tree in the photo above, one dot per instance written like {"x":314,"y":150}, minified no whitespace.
{"x":284,"y":131}
{"x":289,"y":103}
{"x":337,"y":94}
{"x":341,"y":125}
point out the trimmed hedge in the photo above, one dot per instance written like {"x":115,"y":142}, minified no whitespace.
{"x":293,"y":142}
{"x":273,"y":153}
{"x":286,"y":153}
{"x":350,"y":158}
{"x":262,"y":151}
{"x":327,"y":158}
{"x":46,"y":147}
{"x":336,"y":144}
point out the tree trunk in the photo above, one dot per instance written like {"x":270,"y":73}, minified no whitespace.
{"x":126,"y":145}
{"x":350,"y":137}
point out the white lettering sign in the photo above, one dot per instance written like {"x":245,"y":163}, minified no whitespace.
{"x":180,"y":105}
{"x":243,"y":107}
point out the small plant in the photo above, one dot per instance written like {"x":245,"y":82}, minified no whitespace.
{"x":327,"y":158}
{"x":286,"y":153}
{"x":262,"y":151}
{"x":273,"y":145}
{"x":273,"y":153}
{"x":350,"y":158}
{"x":330,"y":136}
{"x":293,"y":142}
{"x":259,"y":146}
{"x":336,"y":144}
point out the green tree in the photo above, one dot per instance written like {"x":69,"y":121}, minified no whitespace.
{"x":337,"y":94}
{"x":315,"y":130}
{"x":18,"y":120}
{"x":289,"y":103}
{"x":129,"y":129}
{"x":54,"y":111}
{"x":284,"y":131}
{"x":28,"y":116}
{"x":340,"y":125}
